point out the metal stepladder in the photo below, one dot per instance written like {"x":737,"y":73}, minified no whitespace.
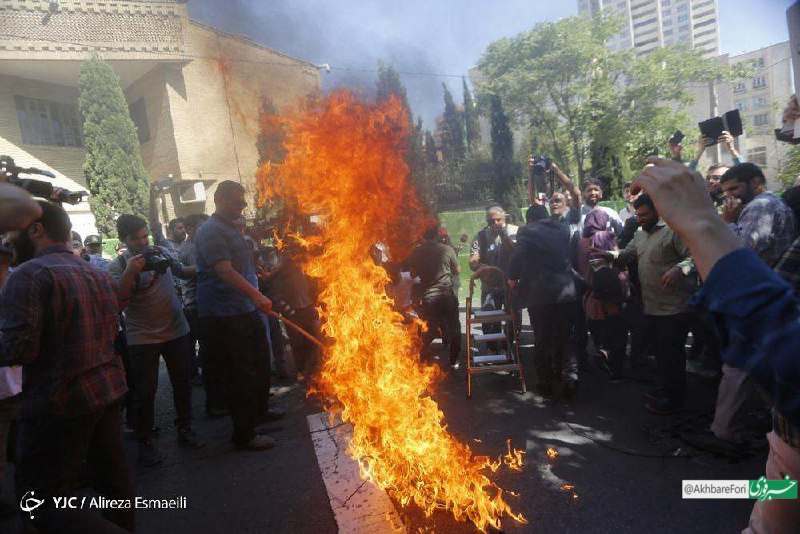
{"x":505,"y":360}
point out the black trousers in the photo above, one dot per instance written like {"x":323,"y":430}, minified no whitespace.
{"x":194,"y":338}
{"x":237,"y":364}
{"x":306,"y":354}
{"x":669,"y":339}
{"x":53,"y":453}
{"x":144,"y":358}
{"x":440,"y":311}
{"x":611,"y":335}
{"x":554,"y":342}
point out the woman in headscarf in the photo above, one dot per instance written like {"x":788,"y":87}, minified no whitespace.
{"x":607,"y":290}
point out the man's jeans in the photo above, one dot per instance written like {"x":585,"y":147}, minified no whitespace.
{"x":735,"y":389}
{"x":669,"y":340}
{"x":177,"y":355}
{"x":237,"y":362}
{"x":53,"y":455}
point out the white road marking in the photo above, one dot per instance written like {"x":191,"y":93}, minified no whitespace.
{"x":360,"y":506}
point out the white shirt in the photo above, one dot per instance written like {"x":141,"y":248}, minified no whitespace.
{"x":10,"y":381}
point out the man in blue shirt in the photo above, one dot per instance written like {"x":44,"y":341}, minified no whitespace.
{"x":756,"y":313}
{"x":228,"y":304}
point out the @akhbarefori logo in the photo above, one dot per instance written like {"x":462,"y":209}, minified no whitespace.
{"x":29,"y":502}
{"x":762,"y":489}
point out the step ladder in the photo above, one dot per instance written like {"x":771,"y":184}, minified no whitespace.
{"x":506,"y":359}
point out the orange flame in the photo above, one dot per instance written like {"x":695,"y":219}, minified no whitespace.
{"x":552,"y":453}
{"x":345,"y":161}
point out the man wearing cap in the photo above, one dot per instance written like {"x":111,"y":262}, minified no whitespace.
{"x":93,"y":252}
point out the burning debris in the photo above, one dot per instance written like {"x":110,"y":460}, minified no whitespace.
{"x":552,"y":454}
{"x":345,"y":160}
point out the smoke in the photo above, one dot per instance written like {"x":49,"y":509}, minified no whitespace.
{"x":417,"y":37}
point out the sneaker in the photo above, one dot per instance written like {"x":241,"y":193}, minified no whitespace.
{"x":662,"y":406}
{"x":455,"y":366}
{"x":187,"y":438}
{"x":149,"y":455}
{"x":260,"y":442}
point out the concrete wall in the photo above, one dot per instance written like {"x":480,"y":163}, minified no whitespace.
{"x":68,"y":160}
{"x":215,"y":103}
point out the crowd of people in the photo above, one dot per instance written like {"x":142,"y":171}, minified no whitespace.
{"x":82,"y":336}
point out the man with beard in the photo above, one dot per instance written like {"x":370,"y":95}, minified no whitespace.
{"x":663,"y":262}
{"x":58,"y":319}
{"x":766,"y":225}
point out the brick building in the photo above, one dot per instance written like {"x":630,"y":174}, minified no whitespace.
{"x":194,"y":92}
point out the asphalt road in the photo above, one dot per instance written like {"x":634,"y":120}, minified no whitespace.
{"x":627,"y":477}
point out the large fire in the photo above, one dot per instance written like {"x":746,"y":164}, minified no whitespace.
{"x":345,"y":161}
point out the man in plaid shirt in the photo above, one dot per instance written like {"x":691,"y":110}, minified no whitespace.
{"x":58,"y":319}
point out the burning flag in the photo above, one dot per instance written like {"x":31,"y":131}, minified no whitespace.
{"x":345,"y":161}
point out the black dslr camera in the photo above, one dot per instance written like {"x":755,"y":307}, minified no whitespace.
{"x":155,"y":260}
{"x":9,"y":172}
{"x":541,"y":165}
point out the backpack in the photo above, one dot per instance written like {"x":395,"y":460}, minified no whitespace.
{"x":607,"y":283}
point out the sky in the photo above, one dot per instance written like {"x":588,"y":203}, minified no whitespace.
{"x":424,"y":37}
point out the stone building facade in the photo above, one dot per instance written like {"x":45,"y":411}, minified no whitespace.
{"x":194,"y":92}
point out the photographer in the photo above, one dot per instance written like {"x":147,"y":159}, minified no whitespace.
{"x":155,"y":326}
{"x":493,"y":246}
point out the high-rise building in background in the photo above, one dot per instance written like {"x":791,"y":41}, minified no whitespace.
{"x":650,"y":24}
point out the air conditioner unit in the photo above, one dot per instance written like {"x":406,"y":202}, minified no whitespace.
{"x":192,"y":192}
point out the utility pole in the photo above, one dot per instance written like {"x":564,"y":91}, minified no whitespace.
{"x":713,"y":100}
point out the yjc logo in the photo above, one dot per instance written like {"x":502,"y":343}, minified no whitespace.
{"x":29,"y":502}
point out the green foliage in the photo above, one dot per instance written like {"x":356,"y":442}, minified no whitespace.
{"x":790,"y":170}
{"x":452,"y":130}
{"x":115,"y":174}
{"x":472,"y":131}
{"x":506,"y":170}
{"x":591,"y":108}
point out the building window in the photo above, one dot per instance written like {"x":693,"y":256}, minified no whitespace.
{"x":741,"y":105}
{"x":43,"y":122}
{"x":740,"y":87}
{"x":705,"y":23}
{"x":683,"y":18}
{"x":759,"y":82}
{"x":681,"y":8}
{"x":665,"y":3}
{"x":666,"y":22}
{"x":684,"y":28}
{"x":759,"y":102}
{"x":621,"y":6}
{"x":644,"y":23}
{"x":757,"y":155}
{"x":762,"y":119}
{"x":139,"y":116}
{"x":759,"y":63}
{"x":667,"y":33}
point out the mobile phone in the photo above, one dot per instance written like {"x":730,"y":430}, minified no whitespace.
{"x":676,"y":138}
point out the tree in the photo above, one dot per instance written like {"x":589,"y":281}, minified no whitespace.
{"x":601,"y":109}
{"x":471,"y":129}
{"x":790,"y":170}
{"x":431,"y":152}
{"x":115,"y":174}
{"x":507,"y":188}
{"x":452,"y":130}
{"x":389,"y":84}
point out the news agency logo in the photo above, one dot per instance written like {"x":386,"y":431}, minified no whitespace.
{"x":761,"y":489}
{"x":29,"y":503}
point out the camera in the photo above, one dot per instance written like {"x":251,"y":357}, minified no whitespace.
{"x":541,"y":165}
{"x":9,"y":172}
{"x":155,"y":260}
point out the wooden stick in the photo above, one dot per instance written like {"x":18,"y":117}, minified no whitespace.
{"x":298,"y":328}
